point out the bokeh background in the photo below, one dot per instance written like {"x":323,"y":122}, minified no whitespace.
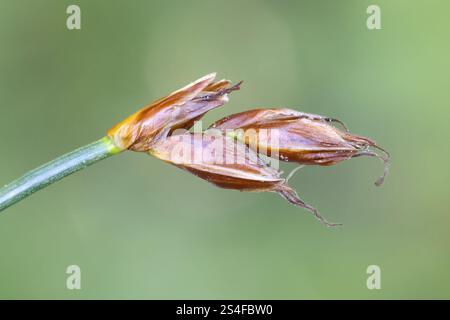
{"x":139,"y":228}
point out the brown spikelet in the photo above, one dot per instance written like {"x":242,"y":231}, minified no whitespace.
{"x":295,"y":136}
{"x":228,"y":164}
{"x":178,"y":110}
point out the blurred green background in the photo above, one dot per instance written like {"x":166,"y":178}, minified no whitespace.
{"x":139,"y":228}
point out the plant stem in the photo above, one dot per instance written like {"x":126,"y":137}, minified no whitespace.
{"x":55,"y":170}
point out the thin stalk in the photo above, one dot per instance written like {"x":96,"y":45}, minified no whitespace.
{"x":55,"y":170}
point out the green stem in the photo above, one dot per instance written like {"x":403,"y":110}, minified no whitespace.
{"x":56,"y":170}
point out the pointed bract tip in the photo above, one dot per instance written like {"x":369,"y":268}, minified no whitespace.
{"x":211,"y":76}
{"x":291,"y":196}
